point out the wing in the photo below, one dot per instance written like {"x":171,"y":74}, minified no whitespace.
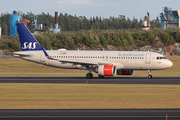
{"x":83,"y":63}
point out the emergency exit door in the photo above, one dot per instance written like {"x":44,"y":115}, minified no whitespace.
{"x":148,"y":58}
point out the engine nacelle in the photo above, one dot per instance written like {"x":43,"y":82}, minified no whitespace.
{"x":106,"y":70}
{"x":125,"y":72}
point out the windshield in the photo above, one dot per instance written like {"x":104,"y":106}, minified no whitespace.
{"x":158,"y":58}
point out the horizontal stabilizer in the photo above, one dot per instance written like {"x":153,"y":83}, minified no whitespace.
{"x":21,"y":54}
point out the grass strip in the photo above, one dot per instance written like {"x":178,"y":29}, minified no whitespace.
{"x":88,"y":96}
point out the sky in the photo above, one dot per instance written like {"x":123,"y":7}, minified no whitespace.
{"x":90,"y":8}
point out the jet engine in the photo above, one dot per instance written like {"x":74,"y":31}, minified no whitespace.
{"x":125,"y":72}
{"x":106,"y":70}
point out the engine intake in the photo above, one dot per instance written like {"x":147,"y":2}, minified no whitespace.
{"x":107,"y":70}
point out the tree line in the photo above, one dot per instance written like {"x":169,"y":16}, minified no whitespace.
{"x":93,"y":39}
{"x":69,"y":22}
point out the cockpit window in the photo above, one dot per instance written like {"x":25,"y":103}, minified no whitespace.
{"x":160,"y":58}
{"x":163,"y":58}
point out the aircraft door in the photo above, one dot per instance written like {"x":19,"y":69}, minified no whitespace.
{"x":42,"y":57}
{"x":103,"y":57}
{"x":148,"y":58}
{"x":107,"y":57}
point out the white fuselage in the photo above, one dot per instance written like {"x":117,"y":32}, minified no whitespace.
{"x":131,"y":60}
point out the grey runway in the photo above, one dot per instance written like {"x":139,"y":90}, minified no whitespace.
{"x":145,"y":114}
{"x":95,"y":80}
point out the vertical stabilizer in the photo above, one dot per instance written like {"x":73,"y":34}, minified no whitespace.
{"x":27,"y":40}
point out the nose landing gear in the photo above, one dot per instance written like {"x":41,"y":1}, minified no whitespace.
{"x":149,"y":74}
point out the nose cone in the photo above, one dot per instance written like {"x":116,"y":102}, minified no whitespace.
{"x":169,"y":64}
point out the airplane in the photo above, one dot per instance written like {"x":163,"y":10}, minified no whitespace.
{"x":104,"y":63}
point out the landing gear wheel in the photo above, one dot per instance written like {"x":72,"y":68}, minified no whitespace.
{"x":89,"y":75}
{"x":150,"y":76}
{"x":101,"y":76}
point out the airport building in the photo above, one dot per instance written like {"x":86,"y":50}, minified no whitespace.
{"x":170,"y":19}
{"x":16,"y":17}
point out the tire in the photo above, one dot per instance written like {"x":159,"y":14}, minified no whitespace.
{"x":89,"y":75}
{"x":150,"y":76}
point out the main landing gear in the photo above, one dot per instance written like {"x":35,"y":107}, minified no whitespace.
{"x":149,"y":74}
{"x":89,"y":75}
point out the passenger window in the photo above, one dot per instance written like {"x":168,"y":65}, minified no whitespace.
{"x":157,"y":58}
